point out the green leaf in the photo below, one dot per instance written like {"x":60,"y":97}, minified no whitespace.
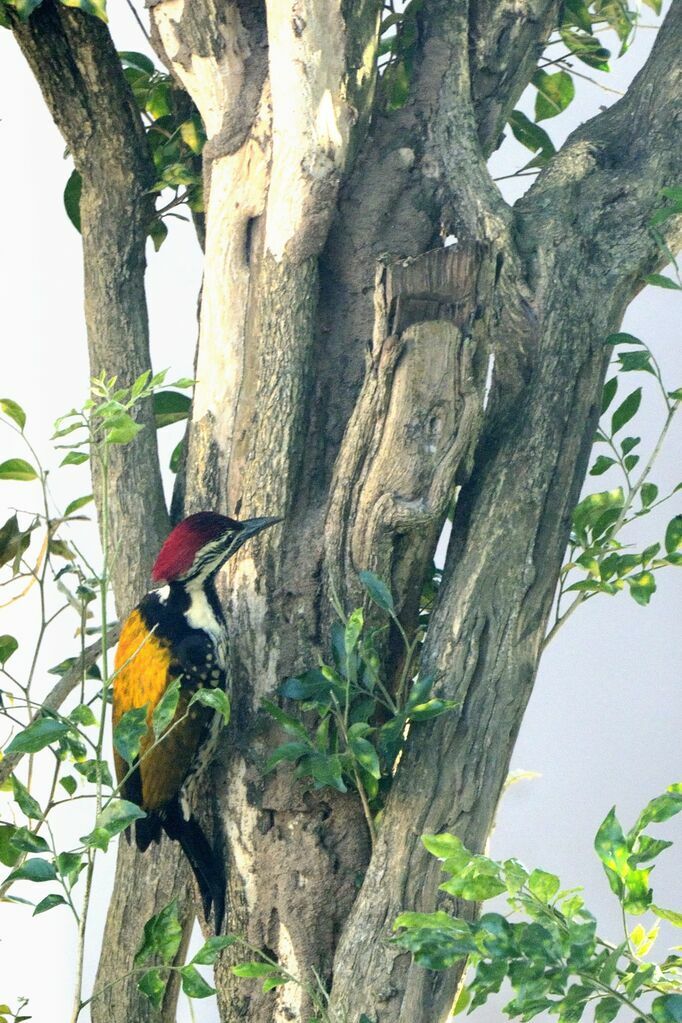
{"x":159,"y":103}
{"x":419,"y":693}
{"x":291,"y":725}
{"x":82,"y":715}
{"x":353,"y":630}
{"x":69,"y":865}
{"x":609,"y":393}
{"x":626,"y":411}
{"x":69,"y":784}
{"x":9,"y":854}
{"x":276,"y":980}
{"x":667,"y":1009}
{"x":288,"y":752}
{"x":8,"y":646}
{"x":116,"y":817}
{"x":215,"y":698}
{"x":76,"y":505}
{"x":438,"y":920}
{"x":673,"y":535}
{"x":530,"y":135}
{"x":326,"y":770}
{"x":158,"y":232}
{"x":660,"y":809}
{"x":515,"y":875}
{"x":14,"y":411}
{"x":33,"y":870}
{"x":209,"y":952}
{"x":121,"y":429}
{"x":602,"y":464}
{"x":176,"y":456}
{"x":27,"y":804}
{"x":642,"y":587}
{"x":365,"y":754}
{"x":193,"y":984}
{"x":447,"y":847}
{"x":253,"y":969}
{"x":648,"y":494}
{"x":612,"y":850}
{"x":153,"y":986}
{"x":314,"y":685}
{"x":586,"y":48}
{"x":170,"y":407}
{"x":137,"y":61}
{"x":607,"y":1009}
{"x":649,"y":553}
{"x":164,"y":712}
{"x":474,"y":889}
{"x":192,"y":134}
{"x":95,"y":771}
{"x":162,"y":936}
{"x":378,"y":590}
{"x":37,"y":736}
{"x":637,"y":892}
{"x":75,"y":458}
{"x":49,"y":902}
{"x":631,"y":362}
{"x":129,"y":731}
{"x":661,"y":281}
{"x":575,"y":12}
{"x":629,"y":443}
{"x":25,"y":841}
{"x":431,"y":709}
{"x":17,"y":469}
{"x":670,"y":915}
{"x":544,"y":886}
{"x":72,"y":198}
{"x":555,"y":92}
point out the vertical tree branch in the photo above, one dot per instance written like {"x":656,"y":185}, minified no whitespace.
{"x":76,"y":65}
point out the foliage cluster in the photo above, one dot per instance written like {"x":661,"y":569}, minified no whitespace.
{"x":359,"y":726}
{"x":73,"y":740}
{"x":553,"y":957}
{"x":576,"y":37}
{"x":599,"y":559}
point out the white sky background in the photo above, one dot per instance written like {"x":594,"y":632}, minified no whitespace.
{"x":605,"y":719}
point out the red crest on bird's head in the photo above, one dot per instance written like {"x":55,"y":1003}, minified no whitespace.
{"x":177,"y":555}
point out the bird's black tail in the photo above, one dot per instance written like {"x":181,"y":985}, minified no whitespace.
{"x":206,"y":866}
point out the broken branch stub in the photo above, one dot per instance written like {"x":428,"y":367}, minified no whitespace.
{"x":417,"y":419}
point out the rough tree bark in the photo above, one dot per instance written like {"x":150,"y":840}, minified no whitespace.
{"x":76,"y":65}
{"x":341,"y":369}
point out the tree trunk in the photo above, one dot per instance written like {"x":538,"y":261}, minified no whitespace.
{"x":342,"y":366}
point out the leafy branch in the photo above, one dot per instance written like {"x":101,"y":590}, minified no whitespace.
{"x":42,"y":728}
{"x":360,"y":723}
{"x":597,"y":551}
{"x":553,"y":957}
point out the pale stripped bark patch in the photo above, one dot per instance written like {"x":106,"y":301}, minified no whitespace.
{"x":311,"y":123}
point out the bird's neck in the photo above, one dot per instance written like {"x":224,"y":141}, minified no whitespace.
{"x":200,"y":604}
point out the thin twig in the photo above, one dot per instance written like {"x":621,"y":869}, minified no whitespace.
{"x":139,"y":21}
{"x":56,"y":697}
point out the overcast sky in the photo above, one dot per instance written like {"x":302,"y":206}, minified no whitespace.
{"x":604,"y":722}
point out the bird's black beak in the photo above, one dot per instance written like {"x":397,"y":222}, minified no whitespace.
{"x":252,"y":526}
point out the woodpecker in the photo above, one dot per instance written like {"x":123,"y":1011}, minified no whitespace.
{"x":178,"y":631}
